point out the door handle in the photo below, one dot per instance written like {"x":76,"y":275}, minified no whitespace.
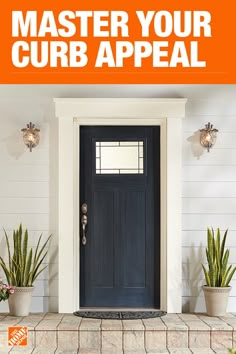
{"x":84,"y":222}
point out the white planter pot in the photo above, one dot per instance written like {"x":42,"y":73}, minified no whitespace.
{"x":20,"y":301}
{"x":216,"y":299}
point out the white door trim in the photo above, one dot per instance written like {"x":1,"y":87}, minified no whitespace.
{"x":71,"y":114}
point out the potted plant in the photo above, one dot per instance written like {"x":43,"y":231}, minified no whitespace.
{"x":218,"y":275}
{"x":232,"y":351}
{"x":5,"y":291}
{"x":23,"y":267}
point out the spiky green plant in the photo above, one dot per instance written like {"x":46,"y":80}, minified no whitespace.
{"x":25,"y":265}
{"x":219,"y":274}
{"x":232,"y":351}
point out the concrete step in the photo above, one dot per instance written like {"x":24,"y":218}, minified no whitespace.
{"x":173,"y":333}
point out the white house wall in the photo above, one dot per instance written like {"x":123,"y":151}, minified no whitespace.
{"x":209,"y":191}
{"x":25,"y":191}
{"x":27,"y":188}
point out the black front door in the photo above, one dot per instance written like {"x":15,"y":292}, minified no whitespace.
{"x":120,"y":184}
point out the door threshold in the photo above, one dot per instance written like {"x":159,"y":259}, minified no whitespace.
{"x":122,"y":309}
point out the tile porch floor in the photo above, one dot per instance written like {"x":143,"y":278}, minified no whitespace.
{"x":51,"y":333}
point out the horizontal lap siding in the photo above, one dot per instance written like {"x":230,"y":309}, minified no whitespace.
{"x":208,"y":192}
{"x":24,"y":198}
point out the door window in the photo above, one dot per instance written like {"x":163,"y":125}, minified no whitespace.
{"x":119,"y":157}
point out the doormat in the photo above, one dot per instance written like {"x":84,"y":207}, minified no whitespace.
{"x":119,"y":315}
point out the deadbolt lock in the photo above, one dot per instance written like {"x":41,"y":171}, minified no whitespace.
{"x":84,"y":208}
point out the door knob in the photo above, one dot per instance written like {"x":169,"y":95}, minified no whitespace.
{"x":84,"y":222}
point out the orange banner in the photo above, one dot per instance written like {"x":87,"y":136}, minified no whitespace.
{"x":117,"y":42}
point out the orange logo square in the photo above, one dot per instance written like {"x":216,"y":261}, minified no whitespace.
{"x":17,"y":336}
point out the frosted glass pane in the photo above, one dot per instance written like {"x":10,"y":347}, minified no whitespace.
{"x":140,"y":151}
{"x":130,"y":172}
{"x":141,"y":163}
{"x":98,"y":161}
{"x":109,"y":143}
{"x":110,"y":172}
{"x":97,"y":152}
{"x":129,"y":143}
{"x":119,"y":157}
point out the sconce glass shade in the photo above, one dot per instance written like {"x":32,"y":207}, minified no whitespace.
{"x":31,"y":136}
{"x":208,"y":136}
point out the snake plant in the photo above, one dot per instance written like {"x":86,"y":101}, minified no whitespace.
{"x":24,"y":265}
{"x":219,"y":273}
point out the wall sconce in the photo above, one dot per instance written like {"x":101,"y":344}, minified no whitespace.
{"x":208,"y":136}
{"x":31,"y":136}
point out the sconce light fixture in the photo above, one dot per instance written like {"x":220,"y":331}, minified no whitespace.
{"x":208,"y":136}
{"x":31,"y":136}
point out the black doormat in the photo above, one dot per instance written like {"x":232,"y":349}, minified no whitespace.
{"x":120,"y":315}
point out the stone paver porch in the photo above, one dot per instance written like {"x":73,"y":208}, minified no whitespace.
{"x":51,"y":333}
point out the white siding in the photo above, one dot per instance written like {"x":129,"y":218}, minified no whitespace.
{"x":25,"y":192}
{"x":209,"y":192}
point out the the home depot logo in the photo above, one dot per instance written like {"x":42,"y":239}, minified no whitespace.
{"x":17,"y":336}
